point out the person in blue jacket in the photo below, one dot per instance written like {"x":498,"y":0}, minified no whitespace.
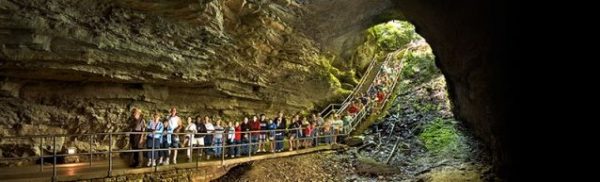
{"x":154,"y":138}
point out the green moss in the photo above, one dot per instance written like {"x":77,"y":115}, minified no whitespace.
{"x":419,"y":65}
{"x":335,"y":82}
{"x":365,"y":53}
{"x":342,"y":91}
{"x":393,"y":35}
{"x":424,"y":108}
{"x":442,"y":138}
{"x":336,"y":76}
{"x":348,"y":77}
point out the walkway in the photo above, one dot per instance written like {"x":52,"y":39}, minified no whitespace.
{"x":118,"y":167}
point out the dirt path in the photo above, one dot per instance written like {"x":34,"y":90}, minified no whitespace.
{"x":311,"y":167}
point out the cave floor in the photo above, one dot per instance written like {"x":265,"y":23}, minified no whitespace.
{"x":33,"y":173}
{"x":99,"y":169}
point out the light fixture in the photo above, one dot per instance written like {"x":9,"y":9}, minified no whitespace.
{"x":71,"y":150}
{"x":71,"y":156}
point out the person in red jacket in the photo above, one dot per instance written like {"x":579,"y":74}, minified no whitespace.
{"x":255,"y":128}
{"x":307,"y":133}
{"x":237,"y":140}
{"x":380,"y":96}
{"x":354,"y":108}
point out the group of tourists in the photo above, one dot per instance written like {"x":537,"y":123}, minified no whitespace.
{"x":215,"y":137}
{"x":375,"y":96}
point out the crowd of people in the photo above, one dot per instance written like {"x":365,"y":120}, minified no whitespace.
{"x":213,"y":136}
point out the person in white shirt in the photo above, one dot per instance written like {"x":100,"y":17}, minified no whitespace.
{"x":175,"y":126}
{"x":208,"y":139}
{"x":189,"y":138}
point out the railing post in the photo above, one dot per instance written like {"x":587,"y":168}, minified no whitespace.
{"x":190,"y":143}
{"x":298,"y":134}
{"x":223,"y":150}
{"x":110,"y":160}
{"x":153,"y":157}
{"x":54,"y":177}
{"x":198,"y":157}
{"x":41,"y":154}
{"x":91,"y":155}
{"x":317,"y":137}
{"x":249,"y":144}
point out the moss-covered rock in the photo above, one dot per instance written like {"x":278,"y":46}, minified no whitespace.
{"x":441,"y":137}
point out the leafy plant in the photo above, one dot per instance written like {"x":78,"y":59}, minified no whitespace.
{"x":442,"y":138}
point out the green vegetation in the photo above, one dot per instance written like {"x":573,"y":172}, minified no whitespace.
{"x":419,"y":65}
{"x":442,"y":138}
{"x":393,"y":35}
{"x":381,"y":40}
{"x":336,"y":76}
{"x":424,"y":108}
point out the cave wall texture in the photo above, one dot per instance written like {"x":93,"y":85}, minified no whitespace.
{"x":80,"y":65}
{"x":77,"y":66}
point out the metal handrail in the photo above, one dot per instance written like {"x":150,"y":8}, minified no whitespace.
{"x":345,"y":104}
{"x":359,"y":116}
{"x":353,"y":124}
{"x":223,"y":146}
{"x":376,"y":75}
{"x":326,"y":111}
{"x":362,"y":81}
{"x":396,"y":78}
{"x":134,"y":132}
{"x":354,"y":91}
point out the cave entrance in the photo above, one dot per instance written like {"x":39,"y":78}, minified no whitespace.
{"x":417,"y":129}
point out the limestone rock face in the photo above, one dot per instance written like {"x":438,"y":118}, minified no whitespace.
{"x":79,"y":66}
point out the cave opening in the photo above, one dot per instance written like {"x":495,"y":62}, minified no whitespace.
{"x":418,"y":131}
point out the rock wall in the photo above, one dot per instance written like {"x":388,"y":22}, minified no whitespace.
{"x":469,"y":40}
{"x":80,"y":66}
